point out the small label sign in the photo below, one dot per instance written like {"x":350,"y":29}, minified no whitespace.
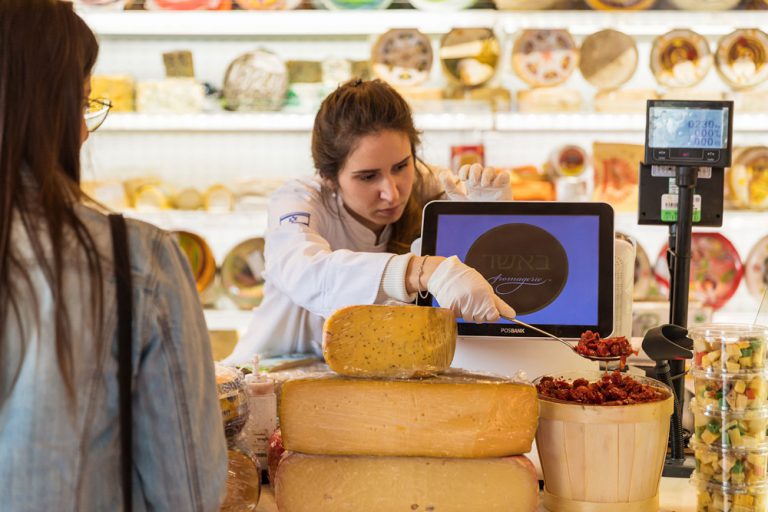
{"x":669,"y":207}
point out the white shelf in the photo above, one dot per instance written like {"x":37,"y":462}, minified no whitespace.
{"x":506,"y":121}
{"x":272,"y":122}
{"x":363,"y":23}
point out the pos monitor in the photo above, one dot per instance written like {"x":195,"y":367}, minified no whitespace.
{"x":552,"y":262}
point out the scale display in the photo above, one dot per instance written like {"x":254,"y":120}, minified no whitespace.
{"x":689,"y":133}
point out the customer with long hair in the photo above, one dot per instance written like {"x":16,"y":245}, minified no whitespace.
{"x":59,"y":414}
{"x":343,"y":236}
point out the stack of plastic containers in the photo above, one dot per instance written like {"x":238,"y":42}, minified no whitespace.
{"x":730,"y":413}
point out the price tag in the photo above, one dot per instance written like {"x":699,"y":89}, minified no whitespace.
{"x":669,"y":207}
{"x":179,"y":64}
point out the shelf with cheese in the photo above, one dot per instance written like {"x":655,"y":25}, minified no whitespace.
{"x":275,"y":122}
{"x":484,"y":120}
{"x":363,"y":23}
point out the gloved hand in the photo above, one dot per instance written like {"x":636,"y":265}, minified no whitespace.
{"x":466,"y":292}
{"x":477,"y":183}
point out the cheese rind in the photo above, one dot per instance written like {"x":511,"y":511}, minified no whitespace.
{"x":323,"y":483}
{"x":457,"y":414}
{"x":389,"y":341}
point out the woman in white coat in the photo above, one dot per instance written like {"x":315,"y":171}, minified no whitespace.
{"x":343,"y":236}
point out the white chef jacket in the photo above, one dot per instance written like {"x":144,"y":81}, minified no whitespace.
{"x":318,"y":259}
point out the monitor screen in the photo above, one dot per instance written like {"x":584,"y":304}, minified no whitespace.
{"x":547,"y":260}
{"x":690,"y":128}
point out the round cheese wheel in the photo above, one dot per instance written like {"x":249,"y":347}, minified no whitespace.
{"x":742,"y":58}
{"x":442,"y":5}
{"x":402,"y":57}
{"x":544,"y":58}
{"x":219,"y":198}
{"x":470,"y":56}
{"x":188,"y":199}
{"x":680,"y":58}
{"x":756,"y":269}
{"x":608,"y":59}
{"x":620,"y":5}
{"x":242,"y":273}
{"x":150,"y":198}
{"x":181,"y":5}
{"x":705,"y":5}
{"x":256,"y":80}
{"x":200,"y":258}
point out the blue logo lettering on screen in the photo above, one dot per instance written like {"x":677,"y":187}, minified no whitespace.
{"x":295,"y":218}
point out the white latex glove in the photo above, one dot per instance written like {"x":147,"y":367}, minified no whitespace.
{"x":466,"y":292}
{"x":477,"y":183}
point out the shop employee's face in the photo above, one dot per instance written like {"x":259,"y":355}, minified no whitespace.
{"x":376,"y":180}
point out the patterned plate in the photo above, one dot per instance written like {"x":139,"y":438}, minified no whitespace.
{"x":742,"y":58}
{"x":608,"y":59}
{"x":756,"y":269}
{"x":716,"y":269}
{"x":402,"y":57}
{"x":241,"y":273}
{"x":748,"y":178}
{"x":200,"y":258}
{"x":680,"y":58}
{"x":544,"y":58}
{"x":470,"y":56}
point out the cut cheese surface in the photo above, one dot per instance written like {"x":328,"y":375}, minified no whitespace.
{"x":325,"y":483}
{"x":389,"y":341}
{"x":457,"y":414}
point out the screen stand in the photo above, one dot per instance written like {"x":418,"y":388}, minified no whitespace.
{"x":679,"y":259}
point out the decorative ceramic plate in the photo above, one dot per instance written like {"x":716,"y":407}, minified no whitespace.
{"x":544,"y":58}
{"x":716,"y":269}
{"x":402,"y":57}
{"x":608,"y":59}
{"x":569,"y":161}
{"x":742,"y":58}
{"x":470,"y":56}
{"x":748,"y":178}
{"x":680,"y":58}
{"x":200,"y":258}
{"x":442,"y":5}
{"x":705,"y":5}
{"x":620,"y":5}
{"x":256,"y":80}
{"x":181,"y":5}
{"x":756,"y":269}
{"x":343,"y":5}
{"x":241,"y":273}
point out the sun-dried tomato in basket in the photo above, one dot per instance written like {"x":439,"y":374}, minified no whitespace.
{"x":612,"y":389}
{"x":591,"y":344}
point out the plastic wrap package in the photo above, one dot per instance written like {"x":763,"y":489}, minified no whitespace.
{"x":323,"y":483}
{"x":389,"y":341}
{"x":233,"y":399}
{"x":457,"y":414}
{"x":624,"y":444}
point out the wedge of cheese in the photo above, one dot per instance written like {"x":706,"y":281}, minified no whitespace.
{"x":389,"y":341}
{"x":457,"y":414}
{"x":326,"y":483}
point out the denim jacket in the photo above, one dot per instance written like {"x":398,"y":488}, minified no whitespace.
{"x":56,"y":454}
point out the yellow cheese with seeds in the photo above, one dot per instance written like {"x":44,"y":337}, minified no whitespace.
{"x":323,"y":483}
{"x":389,"y":341}
{"x":457,"y":414}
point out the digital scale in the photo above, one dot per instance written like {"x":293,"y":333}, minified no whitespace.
{"x":687,"y":148}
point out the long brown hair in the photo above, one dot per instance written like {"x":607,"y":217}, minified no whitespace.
{"x":356,"y":109}
{"x":46,"y":54}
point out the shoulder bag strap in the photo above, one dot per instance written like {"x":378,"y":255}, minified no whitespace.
{"x":124,"y":328}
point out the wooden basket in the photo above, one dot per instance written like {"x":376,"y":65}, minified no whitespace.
{"x":603,"y":458}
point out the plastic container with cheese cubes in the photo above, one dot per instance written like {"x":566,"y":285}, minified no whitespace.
{"x":736,"y":468}
{"x":730,"y":392}
{"x":735,"y":430}
{"x":720,"y":498}
{"x":730,"y":348}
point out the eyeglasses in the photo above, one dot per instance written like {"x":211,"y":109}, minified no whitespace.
{"x":95,"y":112}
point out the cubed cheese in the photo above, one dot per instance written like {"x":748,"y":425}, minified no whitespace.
{"x":389,"y":341}
{"x":457,"y":414}
{"x":326,"y":483}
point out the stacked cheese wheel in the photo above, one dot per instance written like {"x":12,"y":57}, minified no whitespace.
{"x":395,"y":429}
{"x":730,"y":417}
